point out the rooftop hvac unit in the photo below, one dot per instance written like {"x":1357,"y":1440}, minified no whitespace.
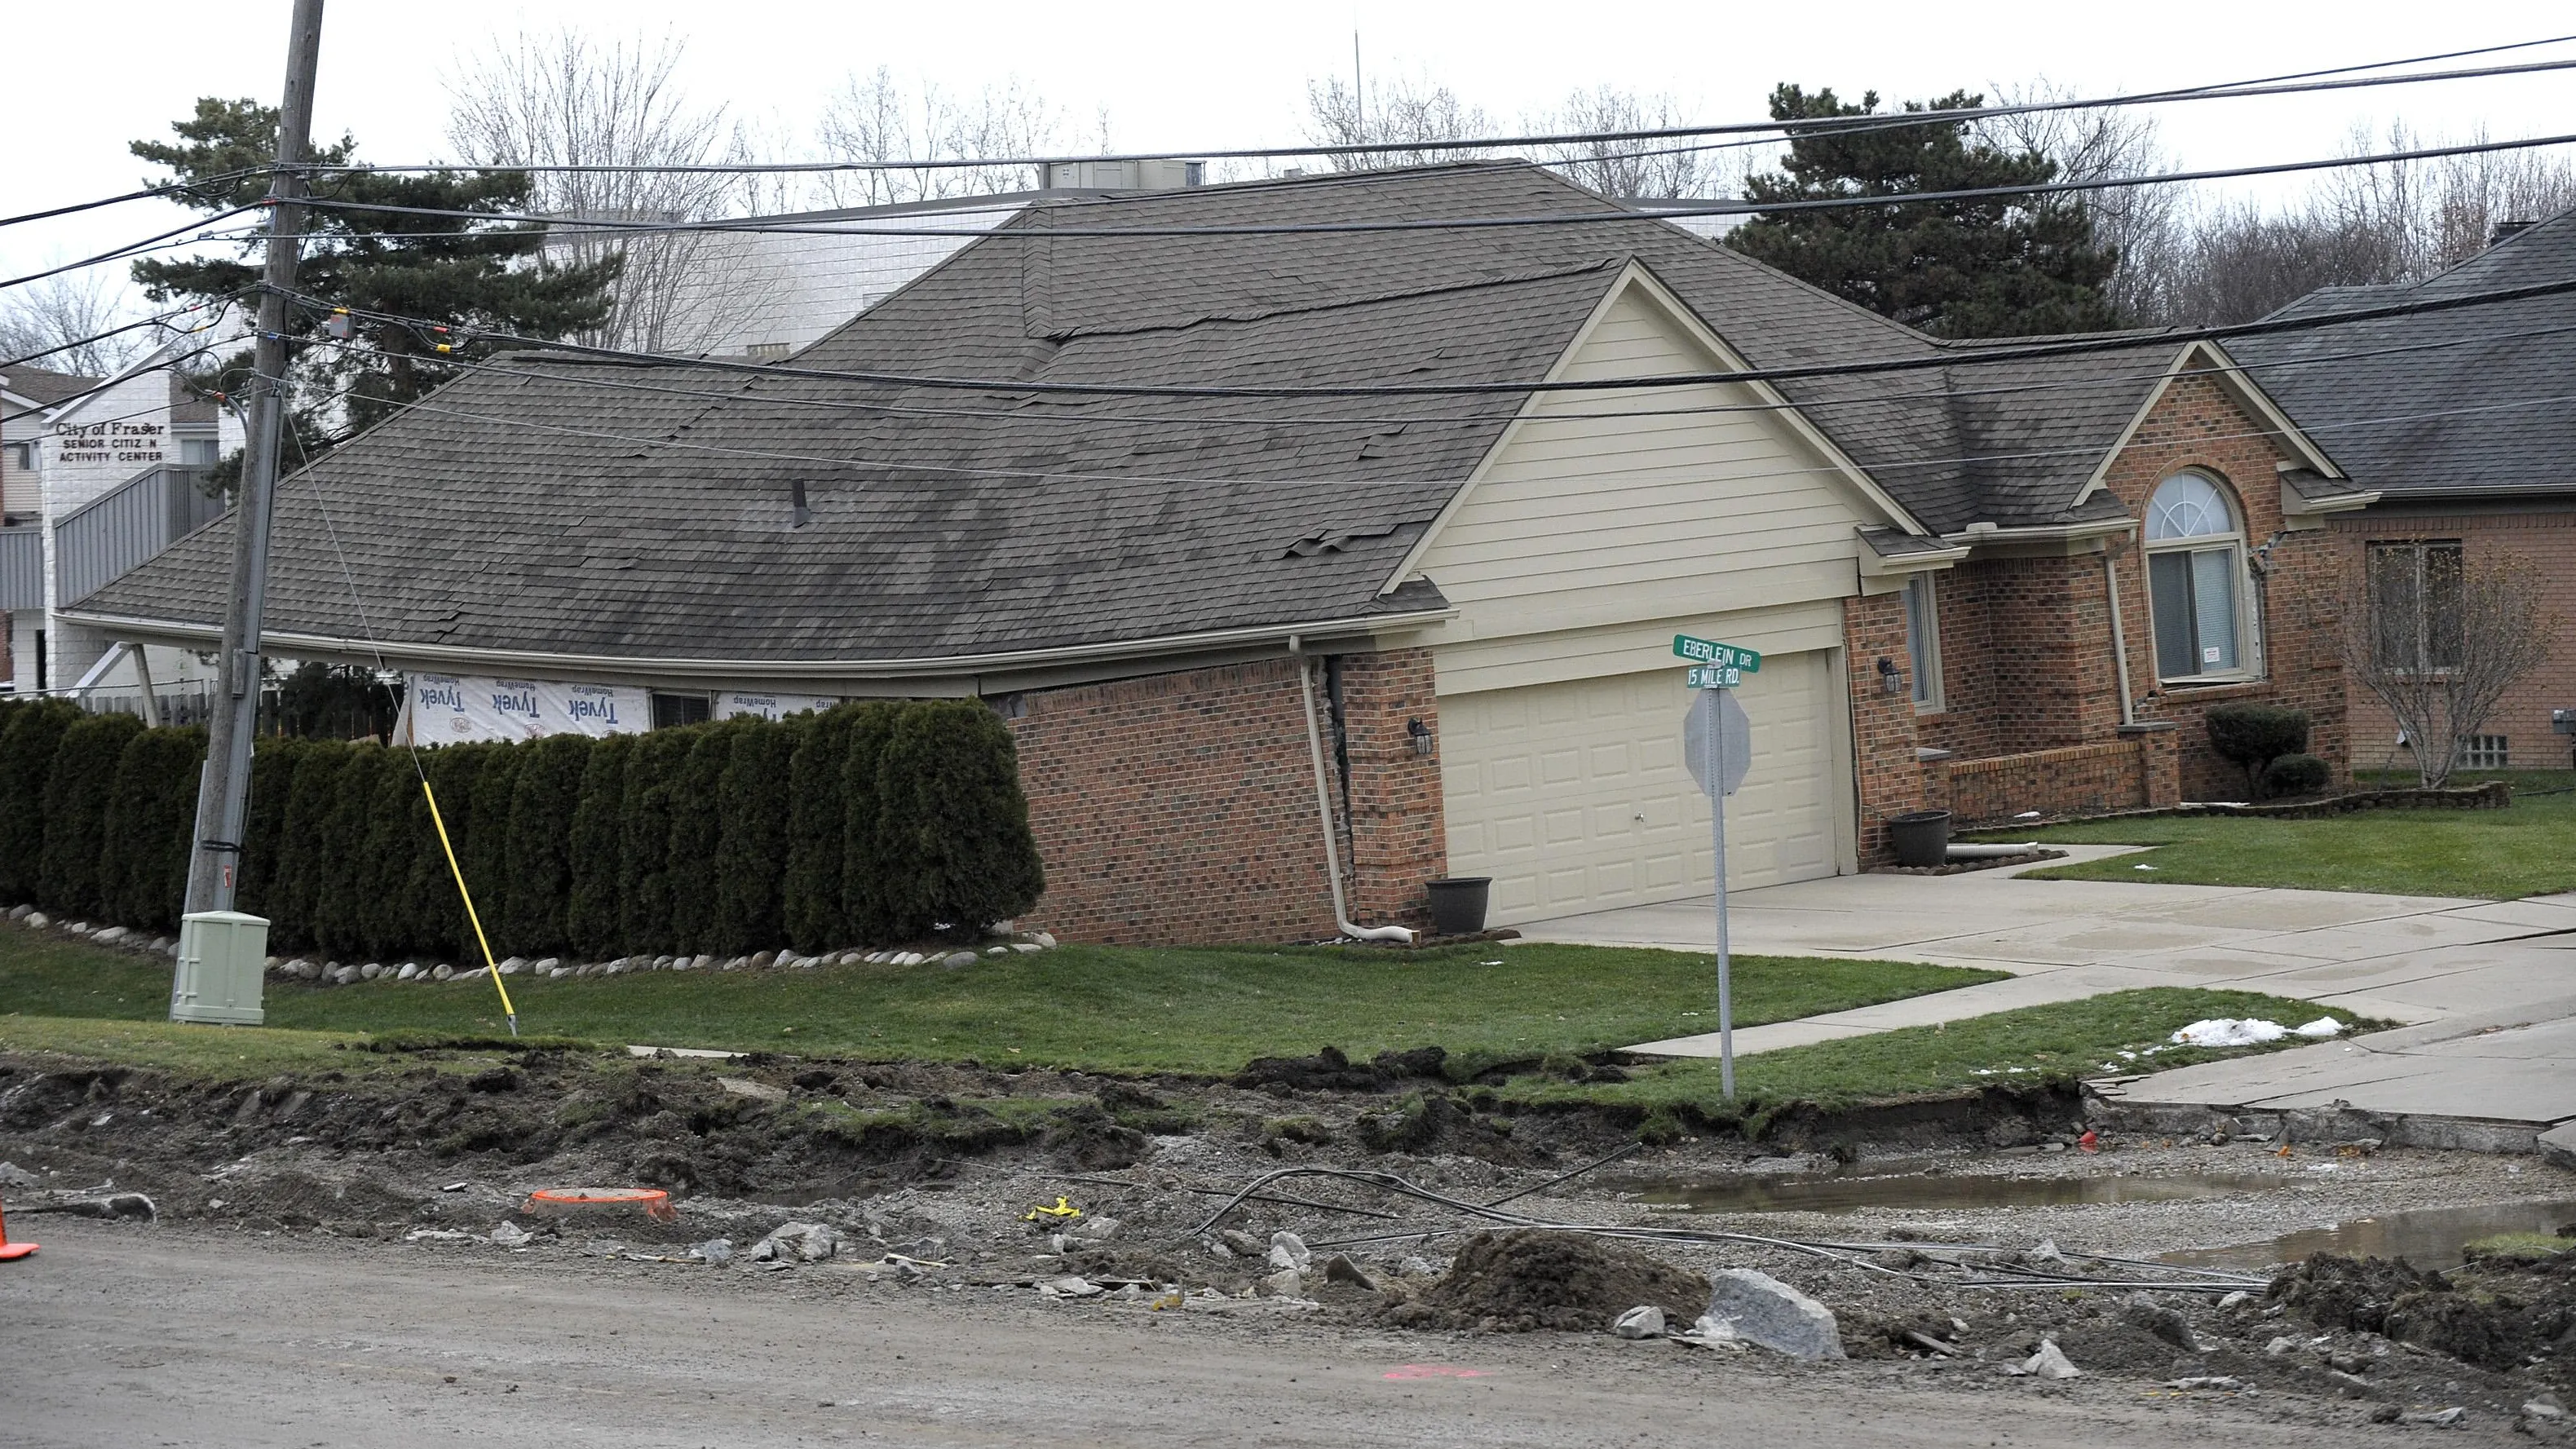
{"x":222,"y":957}
{"x":1158,"y":173}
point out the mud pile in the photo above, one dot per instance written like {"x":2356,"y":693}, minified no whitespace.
{"x":2500,"y":1313}
{"x":1517,"y":1282}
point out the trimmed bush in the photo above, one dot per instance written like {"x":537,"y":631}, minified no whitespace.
{"x":538,"y":848}
{"x":27,"y":744}
{"x":2254,"y":735}
{"x":2296,"y":775}
{"x":867,"y":893}
{"x":816,"y":832}
{"x":483,"y":838}
{"x":697,"y":828}
{"x":452,"y":771}
{"x":151,"y":814}
{"x":297,"y":892}
{"x":399,"y":836}
{"x":341,"y":910}
{"x":272,"y":776}
{"x":751,"y":844}
{"x":644,"y":869}
{"x":76,"y":794}
{"x":950,"y":809}
{"x":592,"y":918}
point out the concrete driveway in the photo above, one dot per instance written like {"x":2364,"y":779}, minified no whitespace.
{"x":2411,"y":959}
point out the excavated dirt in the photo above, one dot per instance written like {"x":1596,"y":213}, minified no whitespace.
{"x":1517,"y":1282}
{"x":947,"y":1179}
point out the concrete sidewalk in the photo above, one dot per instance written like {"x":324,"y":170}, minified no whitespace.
{"x":2489,"y":1080}
{"x":2413,"y":959}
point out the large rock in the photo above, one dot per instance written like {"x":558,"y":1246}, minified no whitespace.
{"x":1761,"y":1309}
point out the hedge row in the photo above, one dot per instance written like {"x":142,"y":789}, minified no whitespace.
{"x":866,"y":823}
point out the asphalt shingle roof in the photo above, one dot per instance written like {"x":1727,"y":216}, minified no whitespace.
{"x":2465,"y":406}
{"x":573,"y":506}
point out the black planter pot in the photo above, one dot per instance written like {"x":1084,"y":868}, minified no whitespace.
{"x":1921,"y":838}
{"x":1458,"y":904}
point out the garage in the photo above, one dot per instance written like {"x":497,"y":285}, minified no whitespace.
{"x":1574,"y":797}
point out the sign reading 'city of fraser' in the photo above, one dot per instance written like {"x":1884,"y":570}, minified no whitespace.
{"x":1723,"y":656}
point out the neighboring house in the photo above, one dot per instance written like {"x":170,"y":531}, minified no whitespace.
{"x":100,"y":474}
{"x":1482,"y":586}
{"x":2462,"y":423}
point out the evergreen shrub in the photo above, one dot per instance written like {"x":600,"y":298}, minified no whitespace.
{"x":867,"y":888}
{"x":697,"y":827}
{"x":751,"y":841}
{"x":151,"y":810}
{"x":2254,"y":735}
{"x":27,"y":744}
{"x":653,"y":768}
{"x":538,"y":845}
{"x":592,"y":915}
{"x":953,"y":826}
{"x":2295,"y":775}
{"x":817,"y":831}
{"x":75,"y":809}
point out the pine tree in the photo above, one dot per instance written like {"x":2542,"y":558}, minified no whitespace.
{"x":1999,"y":266}
{"x":538,"y":852}
{"x":751,"y":844}
{"x":816,"y":827}
{"x":459,"y":272}
{"x":27,"y":745}
{"x":76,"y":795}
{"x":954,"y":824}
{"x":868,"y":887}
{"x":593,"y":918}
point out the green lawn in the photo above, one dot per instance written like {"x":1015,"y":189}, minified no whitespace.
{"x":1105,"y":1008}
{"x":2054,"y":1043}
{"x":2528,"y":849}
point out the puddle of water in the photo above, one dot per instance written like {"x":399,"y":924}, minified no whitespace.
{"x":2425,"y":1237}
{"x":1854,"y":1192}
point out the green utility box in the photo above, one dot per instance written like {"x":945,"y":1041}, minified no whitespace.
{"x":223,"y":957}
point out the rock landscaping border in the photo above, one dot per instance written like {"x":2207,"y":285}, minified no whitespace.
{"x":2492,"y":795}
{"x":1962,"y":867}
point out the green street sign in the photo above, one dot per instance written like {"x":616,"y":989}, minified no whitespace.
{"x":1709,"y":651}
{"x":1715,"y":676}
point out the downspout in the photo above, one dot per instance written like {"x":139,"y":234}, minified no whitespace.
{"x":1324,"y":810}
{"x":2119,"y":636}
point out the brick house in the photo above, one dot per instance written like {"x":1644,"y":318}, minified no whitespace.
{"x":1250,"y":633}
{"x":2458,"y":422}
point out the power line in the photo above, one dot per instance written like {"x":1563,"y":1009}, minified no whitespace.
{"x":2292,"y":84}
{"x":154,"y":320}
{"x":1939,"y":356}
{"x":557,"y":226}
{"x":168,"y":191}
{"x":1810,"y":405}
{"x":776,"y":455}
{"x":117,"y":381}
{"x":131,"y":249}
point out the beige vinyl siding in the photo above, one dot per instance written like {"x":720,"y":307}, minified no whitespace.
{"x":1582,"y":521}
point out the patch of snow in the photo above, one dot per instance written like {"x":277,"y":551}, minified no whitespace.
{"x":2228,"y":1031}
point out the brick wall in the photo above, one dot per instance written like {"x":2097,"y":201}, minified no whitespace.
{"x":1180,"y":808}
{"x":1883,"y":724}
{"x":2198,"y":426}
{"x":2548,"y":541}
{"x":2077,"y":780}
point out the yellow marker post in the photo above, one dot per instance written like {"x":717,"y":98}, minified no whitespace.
{"x":489,"y":964}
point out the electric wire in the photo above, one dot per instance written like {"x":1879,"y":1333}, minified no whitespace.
{"x":1941,"y":355}
{"x":604,"y":226}
{"x":131,"y":249}
{"x":2294,"y":83}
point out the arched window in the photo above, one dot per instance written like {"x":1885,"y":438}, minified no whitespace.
{"x":2195,"y":573}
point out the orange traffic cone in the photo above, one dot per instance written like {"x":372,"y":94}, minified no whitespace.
{"x":9,"y":1250}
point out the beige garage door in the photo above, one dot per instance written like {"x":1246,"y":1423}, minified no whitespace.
{"x":1574,"y":797}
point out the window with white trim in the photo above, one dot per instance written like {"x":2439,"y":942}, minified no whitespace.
{"x":2196,"y":580}
{"x":1923,"y":642}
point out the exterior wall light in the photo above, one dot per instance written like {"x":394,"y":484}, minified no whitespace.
{"x":1421,"y":736}
{"x":1891,"y":680}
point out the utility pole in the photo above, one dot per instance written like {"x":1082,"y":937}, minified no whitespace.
{"x":223,"y":792}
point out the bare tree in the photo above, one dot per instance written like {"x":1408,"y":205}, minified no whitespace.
{"x":2142,"y":224}
{"x":876,"y":117}
{"x":2437,"y":637}
{"x":62,"y":318}
{"x":1388,"y":124}
{"x":568,"y":99}
{"x":1658,"y":169}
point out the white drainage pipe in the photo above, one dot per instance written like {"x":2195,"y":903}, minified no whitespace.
{"x":1990,"y":852}
{"x":1324,"y":812}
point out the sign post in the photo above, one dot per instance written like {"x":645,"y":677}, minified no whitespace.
{"x":1718,"y":745}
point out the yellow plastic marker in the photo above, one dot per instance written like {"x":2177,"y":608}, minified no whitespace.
{"x":1062,"y":1209}
{"x":489,"y":964}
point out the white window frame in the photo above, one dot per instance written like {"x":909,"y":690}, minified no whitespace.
{"x":1923,"y":642}
{"x":2232,"y":543}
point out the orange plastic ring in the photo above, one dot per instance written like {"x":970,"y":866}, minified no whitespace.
{"x":654,"y":1201}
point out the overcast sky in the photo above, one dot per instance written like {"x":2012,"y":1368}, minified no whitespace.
{"x":86,"y":79}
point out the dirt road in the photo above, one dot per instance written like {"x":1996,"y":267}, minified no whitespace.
{"x":182,"y":1335}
